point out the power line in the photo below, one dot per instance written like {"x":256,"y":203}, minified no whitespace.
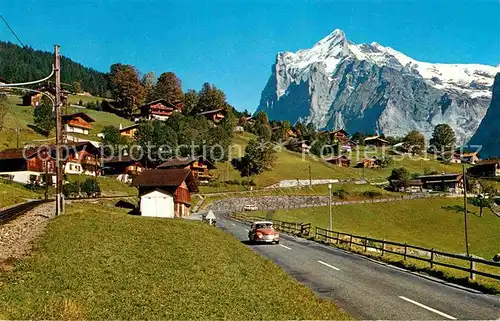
{"x":11,"y":30}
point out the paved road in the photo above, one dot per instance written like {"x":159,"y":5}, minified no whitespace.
{"x":367,"y":289}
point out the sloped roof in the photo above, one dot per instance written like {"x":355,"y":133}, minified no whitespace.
{"x":166,"y":177}
{"x":488,"y":162}
{"x":129,"y":127}
{"x":441,"y":178}
{"x":84,"y":116}
{"x":162,"y":101}
{"x":410,"y":182}
{"x":376,"y":138}
{"x":119,"y":159}
{"x":18,"y":153}
{"x":184,"y":161}
{"x":209,"y":112}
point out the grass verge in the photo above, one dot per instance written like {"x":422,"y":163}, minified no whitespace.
{"x":431,"y":223}
{"x":96,"y":262}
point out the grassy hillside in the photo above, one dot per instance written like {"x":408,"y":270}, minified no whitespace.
{"x":96,"y":262}
{"x":290,"y":165}
{"x":109,"y":185}
{"x":19,"y":117}
{"x":426,"y":222}
{"x":13,"y":193}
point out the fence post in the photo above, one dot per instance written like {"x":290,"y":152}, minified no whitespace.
{"x":432,"y":258}
{"x":338,"y":237}
{"x":472,"y":268}
{"x":366,"y":243}
{"x":350,"y":241}
{"x":383,"y":247}
{"x":316,"y":233}
{"x":406,"y":250}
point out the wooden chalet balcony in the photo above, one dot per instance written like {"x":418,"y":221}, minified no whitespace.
{"x":90,"y":161}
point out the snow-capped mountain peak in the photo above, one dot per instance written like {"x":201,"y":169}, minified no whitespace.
{"x":375,"y":86}
{"x":473,"y":79}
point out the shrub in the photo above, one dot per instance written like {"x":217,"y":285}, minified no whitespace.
{"x":71,"y":189}
{"x":340,"y":193}
{"x":371,"y":194}
{"x":91,"y":187}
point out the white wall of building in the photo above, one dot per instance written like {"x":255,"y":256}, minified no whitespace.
{"x":23,"y":177}
{"x":73,"y":168}
{"x":159,"y":117}
{"x":157,"y":204}
{"x":71,"y":129}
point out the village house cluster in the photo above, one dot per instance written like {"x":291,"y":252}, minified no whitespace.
{"x":165,"y":189}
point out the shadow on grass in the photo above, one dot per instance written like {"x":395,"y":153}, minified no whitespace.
{"x":39,"y":130}
{"x":459,"y":209}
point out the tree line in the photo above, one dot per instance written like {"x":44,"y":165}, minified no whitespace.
{"x":19,"y":64}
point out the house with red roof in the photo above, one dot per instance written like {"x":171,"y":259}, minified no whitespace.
{"x":27,"y":165}
{"x":77,"y":123}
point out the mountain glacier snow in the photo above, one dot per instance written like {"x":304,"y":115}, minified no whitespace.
{"x":372,"y":87}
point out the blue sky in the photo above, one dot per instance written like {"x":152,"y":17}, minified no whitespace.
{"x":233,"y":44}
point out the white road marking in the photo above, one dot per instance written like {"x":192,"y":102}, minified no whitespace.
{"x":233,"y":224}
{"x":330,"y":266}
{"x":247,"y":230}
{"x":428,"y":308}
{"x":286,"y":247}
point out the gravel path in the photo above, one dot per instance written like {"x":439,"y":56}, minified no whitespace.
{"x":17,"y":236}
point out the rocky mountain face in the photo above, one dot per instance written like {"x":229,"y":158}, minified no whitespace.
{"x":488,"y":133}
{"x":370,"y":87}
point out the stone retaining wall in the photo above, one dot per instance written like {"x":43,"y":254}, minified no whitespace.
{"x":236,"y":204}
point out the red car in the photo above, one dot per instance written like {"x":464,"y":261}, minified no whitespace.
{"x":263,"y":232}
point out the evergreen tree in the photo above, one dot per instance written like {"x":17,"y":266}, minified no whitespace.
{"x":148,"y":82}
{"x":190,"y":103}
{"x":211,"y":98}
{"x":43,"y":115}
{"x":4,"y":108}
{"x":77,"y":86}
{"x":262,"y":128}
{"x":113,"y":140}
{"x":27,"y":64}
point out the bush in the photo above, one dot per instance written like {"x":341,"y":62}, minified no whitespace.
{"x":72,"y":189}
{"x":371,"y":194}
{"x":340,"y":193}
{"x":91,"y":187}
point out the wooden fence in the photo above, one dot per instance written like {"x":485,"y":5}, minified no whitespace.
{"x":301,"y":229}
{"x":407,"y":251}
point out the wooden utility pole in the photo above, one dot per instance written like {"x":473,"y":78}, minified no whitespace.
{"x":57,"y":71}
{"x":47,"y":181}
{"x":330,"y":206}
{"x":310,"y":175}
{"x":464,"y":178}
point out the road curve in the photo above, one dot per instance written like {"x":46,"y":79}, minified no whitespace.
{"x":368,"y":289}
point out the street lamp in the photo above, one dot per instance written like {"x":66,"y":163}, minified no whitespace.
{"x":330,"y":205}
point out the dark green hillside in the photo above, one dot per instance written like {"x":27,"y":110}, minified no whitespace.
{"x":21,"y":64}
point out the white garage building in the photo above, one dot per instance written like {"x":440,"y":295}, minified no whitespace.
{"x":158,"y":204}
{"x":165,"y":192}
